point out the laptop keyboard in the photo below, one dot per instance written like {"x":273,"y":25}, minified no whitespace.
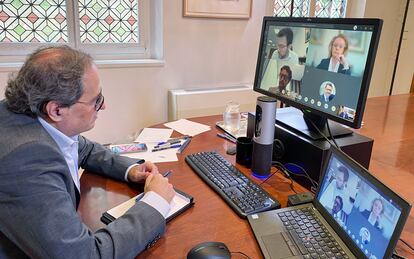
{"x":309,"y":234}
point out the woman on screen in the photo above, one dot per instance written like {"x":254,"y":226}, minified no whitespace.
{"x":374,"y":216}
{"x":336,"y":62}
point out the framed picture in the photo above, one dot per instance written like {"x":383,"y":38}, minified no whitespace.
{"x":240,"y":9}
{"x":356,"y":40}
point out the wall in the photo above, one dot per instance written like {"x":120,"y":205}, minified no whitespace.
{"x":202,"y":52}
{"x":405,"y":68}
{"x":392,"y":13}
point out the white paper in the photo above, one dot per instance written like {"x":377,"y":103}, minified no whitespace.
{"x":187,"y":127}
{"x":154,"y":135}
{"x":178,"y":202}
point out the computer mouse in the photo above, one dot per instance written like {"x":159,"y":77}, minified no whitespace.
{"x":209,"y":250}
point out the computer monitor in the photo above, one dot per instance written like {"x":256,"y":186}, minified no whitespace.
{"x":321,"y":66}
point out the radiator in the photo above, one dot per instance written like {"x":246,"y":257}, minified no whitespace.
{"x":187,"y":103}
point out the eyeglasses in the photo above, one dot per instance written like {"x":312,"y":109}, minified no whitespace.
{"x":98,"y":103}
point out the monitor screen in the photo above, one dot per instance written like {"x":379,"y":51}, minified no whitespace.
{"x":321,"y":66}
{"x":365,"y":210}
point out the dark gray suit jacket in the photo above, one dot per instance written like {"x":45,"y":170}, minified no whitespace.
{"x":38,"y":217}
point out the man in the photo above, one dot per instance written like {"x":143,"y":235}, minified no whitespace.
{"x":327,"y":94}
{"x":285,"y":75}
{"x":55,"y":97}
{"x":282,"y":56}
{"x":338,"y":187}
{"x":284,"y":40}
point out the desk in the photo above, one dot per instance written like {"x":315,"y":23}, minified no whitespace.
{"x":389,"y":120}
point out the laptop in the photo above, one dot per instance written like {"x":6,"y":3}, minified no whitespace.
{"x":353,"y":215}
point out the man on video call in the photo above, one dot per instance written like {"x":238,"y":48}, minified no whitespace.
{"x":285,"y":75}
{"x":284,"y":40}
{"x":54,"y":97}
{"x":327,"y":94}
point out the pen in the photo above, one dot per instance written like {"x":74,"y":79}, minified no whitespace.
{"x":167,"y":143}
{"x":166,"y":174}
{"x":229,"y":138}
{"x":166,"y":147}
{"x":171,"y":140}
{"x":184,"y":145}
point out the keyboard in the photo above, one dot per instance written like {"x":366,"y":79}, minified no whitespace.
{"x":310,"y":235}
{"x":241,"y":194}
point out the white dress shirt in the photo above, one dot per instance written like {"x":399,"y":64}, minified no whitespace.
{"x":69,"y":147}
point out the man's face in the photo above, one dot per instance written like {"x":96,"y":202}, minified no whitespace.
{"x":340,"y":180}
{"x":282,"y":47}
{"x":337,"y":205}
{"x":81,"y":116}
{"x":283,"y":78}
{"x":328,"y":90}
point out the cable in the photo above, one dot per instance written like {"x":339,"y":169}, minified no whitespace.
{"x":287,"y":172}
{"x":323,"y":135}
{"x":287,"y":176}
{"x":240,"y":253}
{"x":330,"y":134}
{"x":407,"y":244}
{"x":267,"y":178}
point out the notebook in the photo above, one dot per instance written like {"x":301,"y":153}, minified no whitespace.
{"x":180,"y":203}
{"x":353,"y":214}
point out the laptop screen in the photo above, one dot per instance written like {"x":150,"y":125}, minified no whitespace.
{"x":367,"y":215}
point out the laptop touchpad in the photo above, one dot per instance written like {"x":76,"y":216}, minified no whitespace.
{"x":280,"y":246}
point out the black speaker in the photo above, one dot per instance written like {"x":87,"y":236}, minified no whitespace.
{"x":264,"y":131}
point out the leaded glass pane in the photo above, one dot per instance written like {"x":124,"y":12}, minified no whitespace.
{"x":301,"y":8}
{"x":33,"y":21}
{"x":338,"y":8}
{"x":111,"y":21}
{"x":330,"y":8}
{"x":323,"y":8}
{"x":282,"y":8}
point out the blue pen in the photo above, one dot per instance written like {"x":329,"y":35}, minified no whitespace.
{"x":173,"y":140}
{"x":167,"y":143}
{"x":166,"y":147}
{"x":166,"y":174}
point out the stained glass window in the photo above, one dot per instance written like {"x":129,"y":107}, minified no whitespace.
{"x":282,"y":8}
{"x":33,"y":21}
{"x":113,"y":21}
{"x":301,"y":8}
{"x":47,"y":21}
{"x":330,"y":8}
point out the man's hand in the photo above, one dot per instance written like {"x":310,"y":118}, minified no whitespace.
{"x":140,"y":172}
{"x":159,"y":184}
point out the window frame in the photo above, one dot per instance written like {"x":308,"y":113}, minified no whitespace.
{"x":126,"y":53}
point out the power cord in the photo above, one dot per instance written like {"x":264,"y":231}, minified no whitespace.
{"x":323,"y":135}
{"x":270,"y":176}
{"x":287,"y":175}
{"x":288,"y":172}
{"x":407,"y":244}
{"x":330,"y":134}
{"x":238,"y":252}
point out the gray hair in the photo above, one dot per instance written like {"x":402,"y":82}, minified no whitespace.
{"x":49,"y":74}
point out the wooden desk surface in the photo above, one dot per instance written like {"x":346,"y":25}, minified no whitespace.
{"x":389,"y":120}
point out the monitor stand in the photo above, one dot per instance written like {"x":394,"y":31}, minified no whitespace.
{"x":294,"y":119}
